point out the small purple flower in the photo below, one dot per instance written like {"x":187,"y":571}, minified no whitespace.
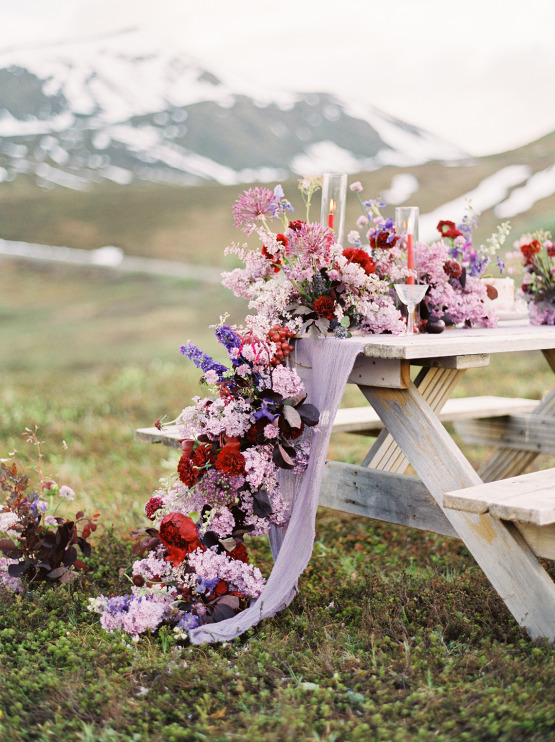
{"x":188,"y":621}
{"x":201,"y":360}
{"x":501,"y":264}
{"x":206,"y":586}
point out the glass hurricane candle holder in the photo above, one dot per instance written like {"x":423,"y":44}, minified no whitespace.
{"x":406,"y":220}
{"x":334,"y":198}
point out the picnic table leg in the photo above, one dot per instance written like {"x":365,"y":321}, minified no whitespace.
{"x":506,"y":462}
{"x":436,"y":386}
{"x":498,"y":547}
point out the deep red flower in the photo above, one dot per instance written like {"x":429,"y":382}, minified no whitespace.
{"x":288,"y":431}
{"x":382,"y":240}
{"x":448,"y":229}
{"x":452,"y":269}
{"x":221,"y":589}
{"x":296,"y":225}
{"x":154,"y":504}
{"x":361,"y":257}
{"x":179,"y":535}
{"x":274,"y":259}
{"x":255,"y":429}
{"x":203,"y":455}
{"x":528,"y":251}
{"x":551,"y":251}
{"x":187,"y":446}
{"x":239,"y":553}
{"x":187,"y":474}
{"x":230,"y":460}
{"x":325,"y":307}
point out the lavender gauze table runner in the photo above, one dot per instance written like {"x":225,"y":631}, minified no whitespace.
{"x":324,"y":366}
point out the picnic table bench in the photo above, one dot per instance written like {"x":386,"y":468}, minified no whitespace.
{"x":409,"y":431}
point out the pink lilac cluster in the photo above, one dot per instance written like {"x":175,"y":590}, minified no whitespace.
{"x":287,"y":382}
{"x":153,"y":567}
{"x":231,"y":417}
{"x":134,"y":614}
{"x":6,"y":580}
{"x":447,"y":297}
{"x":245,"y":578}
{"x":541,"y":313}
{"x":217,"y":489}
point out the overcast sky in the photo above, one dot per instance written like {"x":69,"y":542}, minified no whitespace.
{"x":479,"y":73}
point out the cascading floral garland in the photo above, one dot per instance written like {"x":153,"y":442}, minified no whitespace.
{"x":196,"y":569}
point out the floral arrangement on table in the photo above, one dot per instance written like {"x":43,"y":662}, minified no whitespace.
{"x":41,"y":546}
{"x":452,"y":266}
{"x":195,"y":567}
{"x":301,"y":278}
{"x":536,"y":252}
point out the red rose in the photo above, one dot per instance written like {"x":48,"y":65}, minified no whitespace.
{"x":528,"y":251}
{"x":187,"y":474}
{"x":382,"y":240}
{"x":452,"y":269}
{"x":231,"y":461}
{"x":203,"y":455}
{"x":360,"y":257}
{"x":179,"y":535}
{"x":448,"y":229}
{"x":239,"y":553}
{"x":325,"y":307}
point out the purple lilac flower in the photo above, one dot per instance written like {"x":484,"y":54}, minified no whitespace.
{"x":254,"y":203}
{"x":228,"y":337}
{"x":201,"y":360}
{"x":501,"y":264}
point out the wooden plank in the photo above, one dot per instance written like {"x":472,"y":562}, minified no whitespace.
{"x":365,"y":421}
{"x":519,"y":432}
{"x":529,"y":498}
{"x":506,"y":462}
{"x":394,"y":374}
{"x":168,"y":436}
{"x":541,"y":539}
{"x":516,"y":337}
{"x":479,"y":360}
{"x":394,"y":498}
{"x":436,"y":385}
{"x":499,"y":548}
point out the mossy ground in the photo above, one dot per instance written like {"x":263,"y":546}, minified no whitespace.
{"x":395,"y":634}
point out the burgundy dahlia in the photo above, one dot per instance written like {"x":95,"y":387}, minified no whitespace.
{"x":154,"y":504}
{"x":325,"y":307}
{"x":452,"y":269}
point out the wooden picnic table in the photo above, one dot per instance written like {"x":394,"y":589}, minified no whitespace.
{"x":412,"y":434}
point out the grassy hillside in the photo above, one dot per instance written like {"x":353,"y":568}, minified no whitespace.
{"x":194,"y":224}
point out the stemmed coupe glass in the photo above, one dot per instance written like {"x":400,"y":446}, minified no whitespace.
{"x":410,"y":295}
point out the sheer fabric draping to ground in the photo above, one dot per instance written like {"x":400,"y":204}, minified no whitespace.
{"x":324,"y":366}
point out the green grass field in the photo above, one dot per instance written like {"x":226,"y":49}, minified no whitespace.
{"x":395,"y":634}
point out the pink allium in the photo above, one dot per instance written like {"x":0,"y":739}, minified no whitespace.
{"x":313,"y":239}
{"x":253,"y":204}
{"x":357,"y":186}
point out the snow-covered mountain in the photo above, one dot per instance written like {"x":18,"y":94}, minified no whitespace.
{"x":134,"y":106}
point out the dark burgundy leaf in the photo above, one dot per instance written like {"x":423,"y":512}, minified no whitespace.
{"x":49,"y":540}
{"x":462,"y":278}
{"x":84,"y":546}
{"x":21,"y":568}
{"x":210,"y":539}
{"x":281,"y":458}
{"x":309,"y":414}
{"x":58,"y":572}
{"x":261,"y":505}
{"x":78,"y":515}
{"x":221,"y":612}
{"x":270,"y":395}
{"x":80,"y":565}
{"x":7,"y":544}
{"x":239,"y":532}
{"x":70,"y":555}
